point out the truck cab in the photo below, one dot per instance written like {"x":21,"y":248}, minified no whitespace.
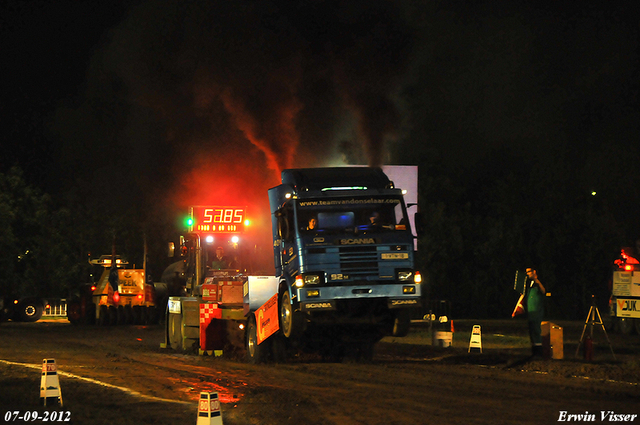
{"x":343,"y":253}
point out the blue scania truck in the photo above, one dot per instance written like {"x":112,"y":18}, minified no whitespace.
{"x":344,"y":258}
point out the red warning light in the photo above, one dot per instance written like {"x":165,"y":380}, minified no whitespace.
{"x":628,"y":267}
{"x":116,"y":297}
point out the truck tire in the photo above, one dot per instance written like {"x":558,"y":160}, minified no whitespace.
{"x":290,"y":319}
{"x":255,"y":353}
{"x":30,"y":310}
{"x":174,"y":331}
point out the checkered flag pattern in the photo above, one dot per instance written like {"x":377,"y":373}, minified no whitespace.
{"x":207,"y":312}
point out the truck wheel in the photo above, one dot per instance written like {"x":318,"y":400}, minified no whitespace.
{"x":290,"y":320}
{"x":175,"y":331}
{"x":30,"y":311}
{"x":625,"y":324}
{"x":401,"y":324}
{"x":255,"y":353}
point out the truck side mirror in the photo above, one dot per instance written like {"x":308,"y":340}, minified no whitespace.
{"x":419,"y":223}
{"x":283,"y":227}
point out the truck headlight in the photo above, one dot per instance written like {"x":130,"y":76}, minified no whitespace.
{"x":404,"y":275}
{"x":312,"y":279}
{"x":308,"y":279}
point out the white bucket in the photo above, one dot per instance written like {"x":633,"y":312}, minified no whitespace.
{"x":442,"y":338}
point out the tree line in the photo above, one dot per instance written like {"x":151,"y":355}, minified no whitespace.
{"x":478,"y":229}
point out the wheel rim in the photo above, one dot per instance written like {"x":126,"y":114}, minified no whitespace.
{"x":251,"y":341}
{"x":30,"y":311}
{"x":285,"y":314}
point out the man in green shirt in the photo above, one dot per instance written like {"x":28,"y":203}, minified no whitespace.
{"x":534,"y":306}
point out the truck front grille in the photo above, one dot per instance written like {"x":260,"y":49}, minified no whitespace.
{"x":359,"y":261}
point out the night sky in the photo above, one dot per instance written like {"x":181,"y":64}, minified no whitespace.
{"x":182,"y":102}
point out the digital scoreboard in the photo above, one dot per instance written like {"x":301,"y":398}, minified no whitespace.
{"x":217,"y":219}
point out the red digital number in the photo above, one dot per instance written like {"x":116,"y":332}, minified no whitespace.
{"x":208,"y":218}
{"x":237,"y":216}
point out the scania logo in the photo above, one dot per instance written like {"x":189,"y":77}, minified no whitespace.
{"x":317,"y":305}
{"x":359,"y":241}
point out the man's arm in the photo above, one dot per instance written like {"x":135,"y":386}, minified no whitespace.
{"x":537,"y":282}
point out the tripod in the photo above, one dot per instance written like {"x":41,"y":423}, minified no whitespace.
{"x":590,"y":321}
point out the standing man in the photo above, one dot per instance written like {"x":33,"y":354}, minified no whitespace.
{"x":534,"y":297}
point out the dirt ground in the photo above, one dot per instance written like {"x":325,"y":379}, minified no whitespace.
{"x":120,"y":375}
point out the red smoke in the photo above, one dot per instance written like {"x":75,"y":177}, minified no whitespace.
{"x":275,"y":135}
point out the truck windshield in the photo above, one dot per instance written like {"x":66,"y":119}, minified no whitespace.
{"x":352,"y":214}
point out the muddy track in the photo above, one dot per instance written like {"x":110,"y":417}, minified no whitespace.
{"x":404,"y":384}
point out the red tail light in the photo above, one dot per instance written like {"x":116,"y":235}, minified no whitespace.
{"x":116,"y":297}
{"x":628,"y":267}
